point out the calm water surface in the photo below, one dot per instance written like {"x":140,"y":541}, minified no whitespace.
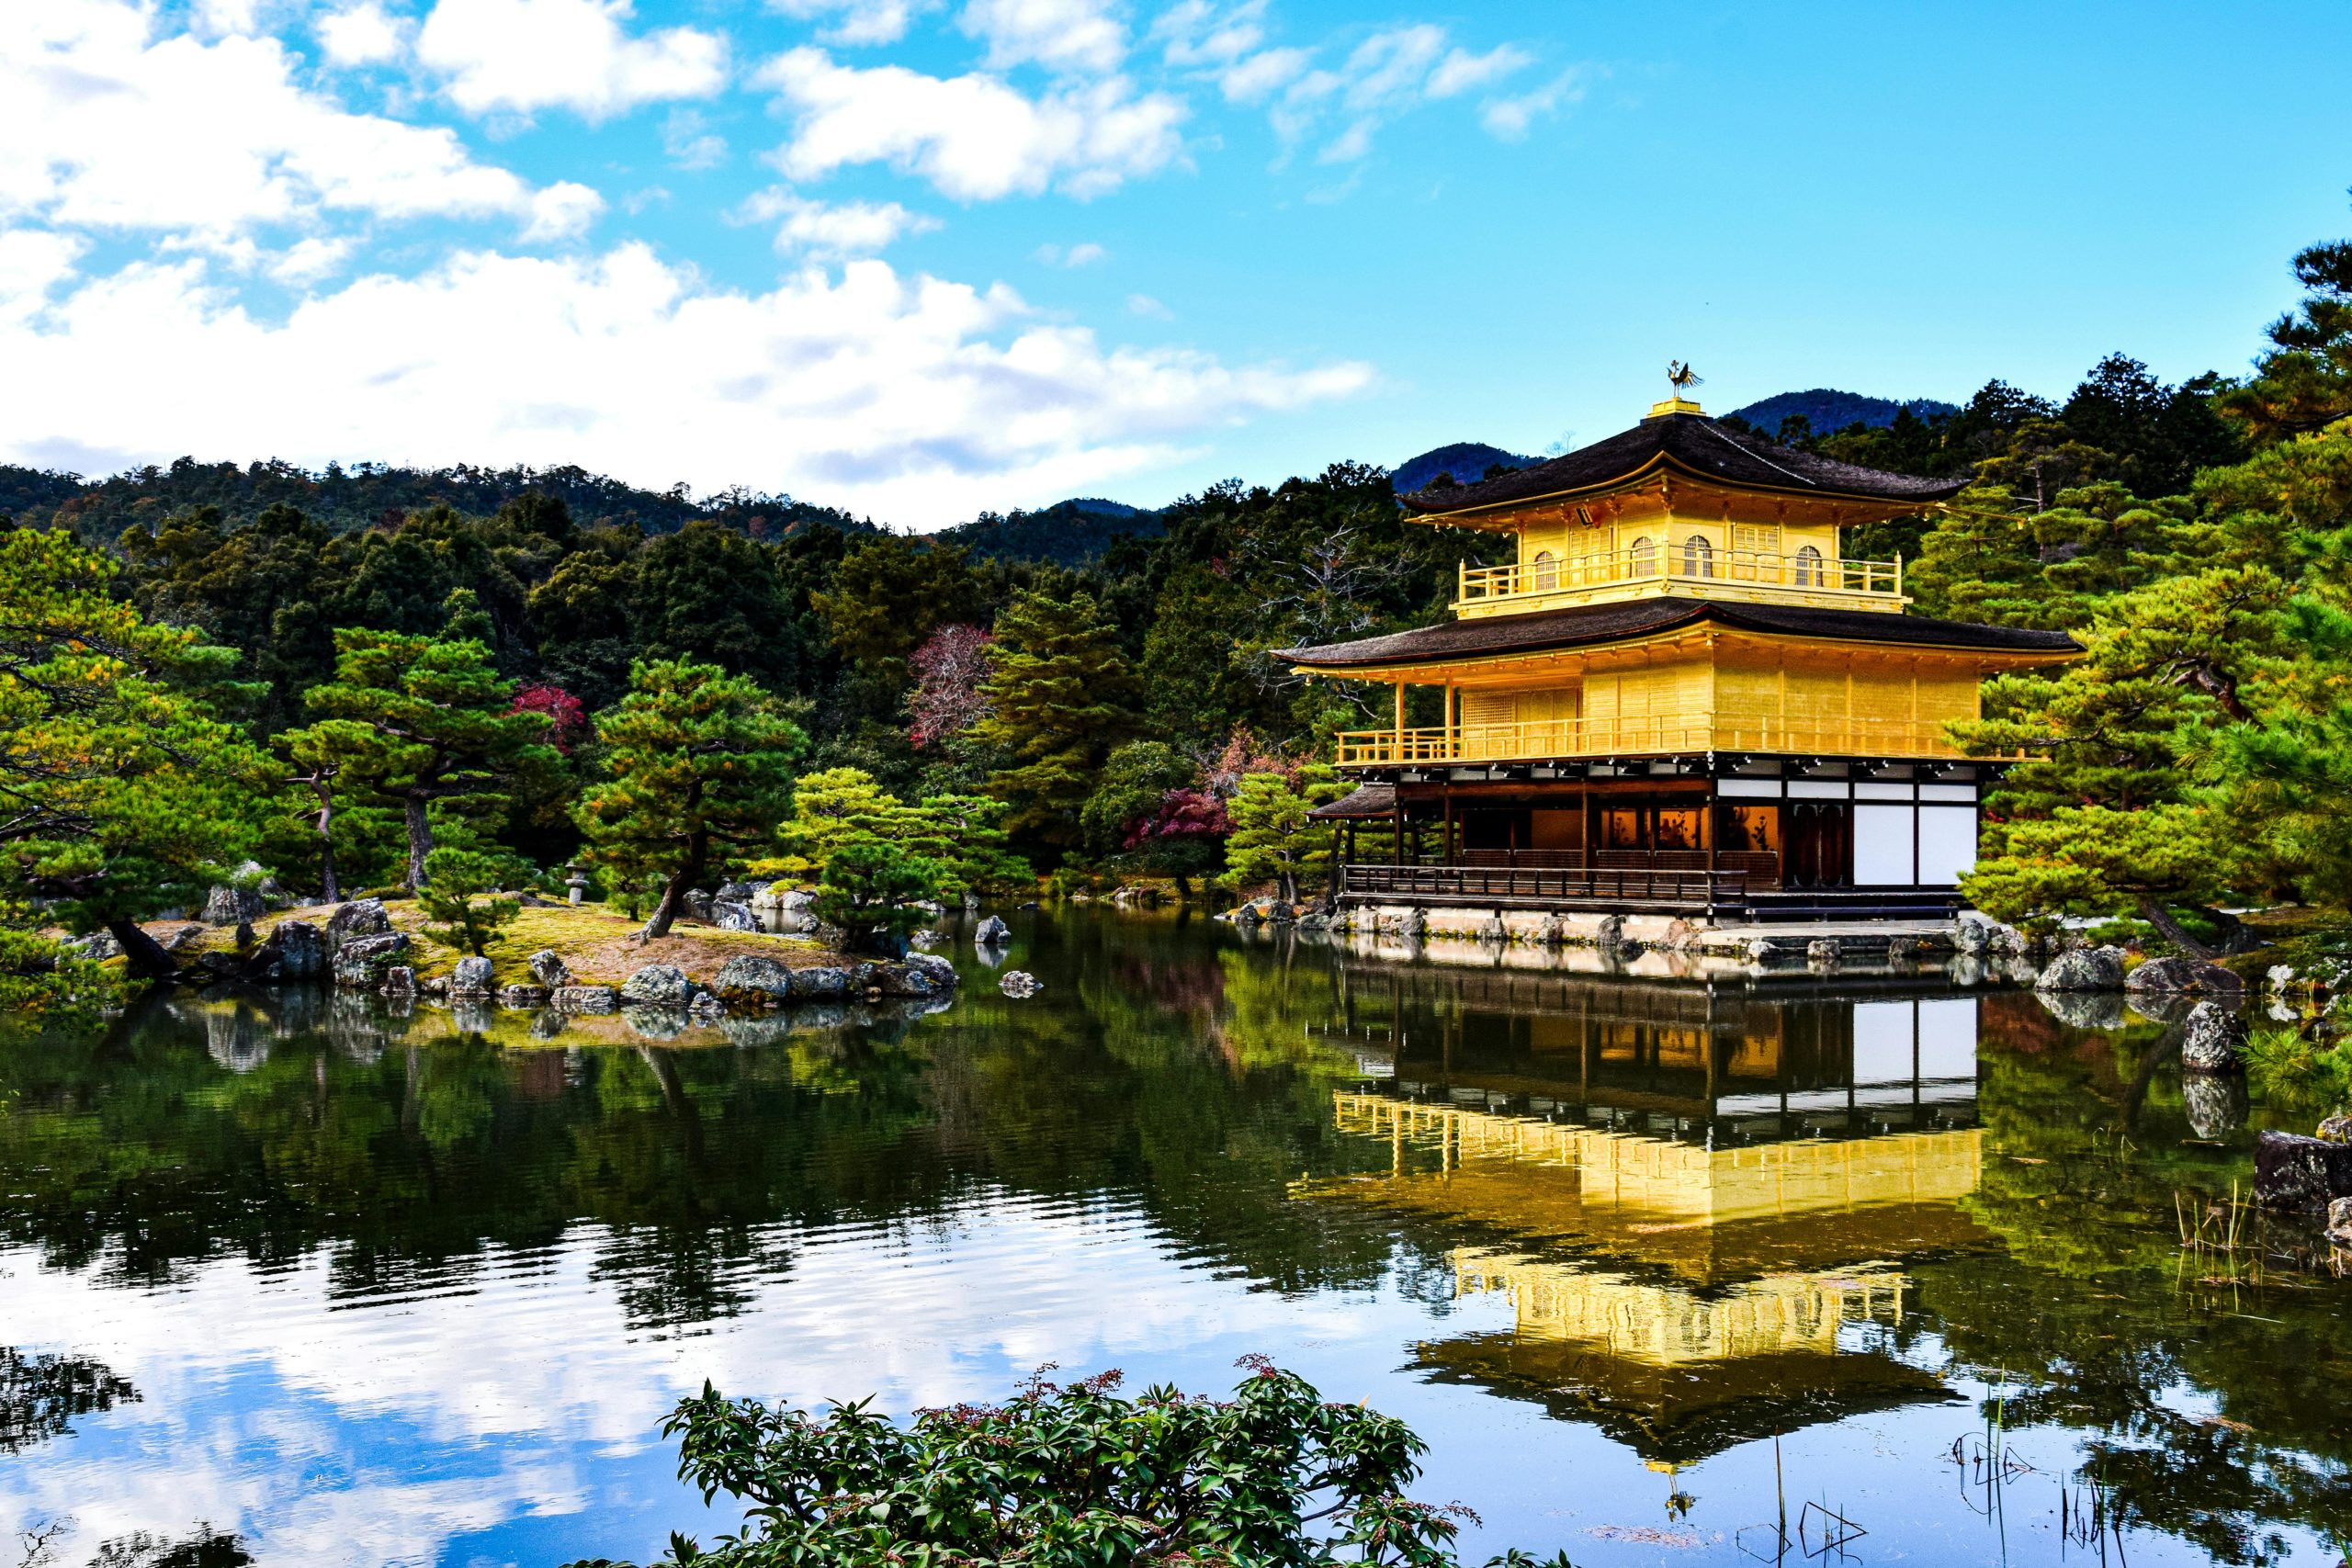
{"x":361,"y":1290}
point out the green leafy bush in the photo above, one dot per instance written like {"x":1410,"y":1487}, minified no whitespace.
{"x":1071,"y":1474}
{"x":871,"y":888}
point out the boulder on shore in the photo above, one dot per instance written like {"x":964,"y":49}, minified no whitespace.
{"x":2339,"y":1221}
{"x":550,"y":969}
{"x":2083,"y":969}
{"x":823,"y":983}
{"x":296,"y":950}
{"x":754,"y":980}
{"x":584,"y":998}
{"x":2185,"y":974}
{"x":2213,"y":1040}
{"x":471,"y":978}
{"x":523,"y":996}
{"x":658,"y":984}
{"x":360,"y":962}
{"x":233,"y":906}
{"x":732,"y":917}
{"x":361,"y":917}
{"x":2291,"y":1172}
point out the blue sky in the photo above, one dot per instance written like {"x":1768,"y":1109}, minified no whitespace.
{"x":924,"y":257}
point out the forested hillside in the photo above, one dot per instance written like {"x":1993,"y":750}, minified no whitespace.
{"x":1120,"y":709}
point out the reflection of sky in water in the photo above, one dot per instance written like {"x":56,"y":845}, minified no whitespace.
{"x":504,"y":1406}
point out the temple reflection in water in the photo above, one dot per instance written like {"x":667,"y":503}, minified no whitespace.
{"x":1698,"y":1201}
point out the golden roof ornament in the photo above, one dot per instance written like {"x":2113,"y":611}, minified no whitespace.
{"x":1681,"y":378}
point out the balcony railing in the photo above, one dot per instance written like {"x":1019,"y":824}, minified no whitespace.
{"x":1804,"y":577}
{"x":1682,"y":735}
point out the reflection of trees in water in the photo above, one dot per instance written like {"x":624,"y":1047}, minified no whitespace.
{"x":2095,"y":1307}
{"x":41,"y":1394}
{"x":202,"y":1547}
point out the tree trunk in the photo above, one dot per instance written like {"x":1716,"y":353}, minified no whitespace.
{"x":674,"y":892}
{"x":1289,"y":885}
{"x":1183,"y":886}
{"x":420,"y":841}
{"x":148,"y":959}
{"x":2161,"y":917}
{"x":328,"y":892}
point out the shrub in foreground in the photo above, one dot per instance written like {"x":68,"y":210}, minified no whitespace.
{"x":1068,"y":1475}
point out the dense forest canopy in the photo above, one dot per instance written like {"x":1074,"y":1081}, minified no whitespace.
{"x":1103,"y":677}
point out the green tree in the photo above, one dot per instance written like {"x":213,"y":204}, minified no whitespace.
{"x":701,"y":765}
{"x":426,"y":723}
{"x":1060,"y":696}
{"x":121,"y":793}
{"x":1272,"y":835}
{"x":956,"y":834}
{"x":1275,"y":1477}
{"x":2304,"y":381}
{"x":462,"y":900}
{"x":873,"y":890}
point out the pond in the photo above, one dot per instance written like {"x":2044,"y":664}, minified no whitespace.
{"x":1664,"y":1270}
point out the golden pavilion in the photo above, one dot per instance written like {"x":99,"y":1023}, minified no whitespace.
{"x":1681,"y":695}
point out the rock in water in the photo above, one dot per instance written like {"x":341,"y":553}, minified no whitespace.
{"x":2213,"y":1041}
{"x":584,"y":998}
{"x":399,"y":980}
{"x":658,"y":984}
{"x":2184,"y":975}
{"x":361,"y":961}
{"x":991,"y":931}
{"x":523,"y":997}
{"x":233,"y":906}
{"x":472,"y":977}
{"x":361,"y":917}
{"x":730,"y":916}
{"x":754,"y":980}
{"x":2083,"y":969}
{"x":820,"y":983}
{"x":2301,"y":1173}
{"x":1019,"y":985}
{"x":2339,"y":1221}
{"x":550,"y":969}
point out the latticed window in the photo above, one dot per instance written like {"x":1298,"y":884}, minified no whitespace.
{"x":1761,"y":538}
{"x":1698,"y":556}
{"x":1810,"y":573}
{"x":1547,"y":571}
{"x":1641,"y":557}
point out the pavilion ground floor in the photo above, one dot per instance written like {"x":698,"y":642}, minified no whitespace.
{"x":1754,"y":837}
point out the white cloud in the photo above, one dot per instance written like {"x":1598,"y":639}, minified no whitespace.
{"x":859,"y":21}
{"x":901,"y":397}
{"x":1196,"y":32}
{"x":1061,"y":35}
{"x":1145,"y":305}
{"x":1252,"y":80}
{"x":973,"y":137}
{"x":830,"y":229}
{"x":690,"y":144}
{"x":33,"y":262}
{"x":101,"y":127}
{"x":1460,"y":71}
{"x":1083,"y":255}
{"x":524,"y":55}
{"x":364,"y":34}
{"x":1389,"y":73}
{"x":311,"y":260}
{"x":1511,"y":118}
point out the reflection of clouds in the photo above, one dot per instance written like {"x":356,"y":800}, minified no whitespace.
{"x":331,"y":1427}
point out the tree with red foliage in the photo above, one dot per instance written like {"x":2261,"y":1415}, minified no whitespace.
{"x":567,"y":716}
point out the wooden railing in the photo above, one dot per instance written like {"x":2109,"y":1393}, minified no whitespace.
{"x":1680,"y":569}
{"x":1645,"y":735}
{"x":1683,"y":889}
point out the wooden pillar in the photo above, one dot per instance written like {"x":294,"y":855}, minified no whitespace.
{"x":1707,"y":835}
{"x":1396,"y":839}
{"x":1445,"y":845}
{"x":1400,"y":719}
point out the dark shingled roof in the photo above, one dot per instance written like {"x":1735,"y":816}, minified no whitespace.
{"x":1367,"y":800}
{"x":1694,"y":445}
{"x":1585,"y":625}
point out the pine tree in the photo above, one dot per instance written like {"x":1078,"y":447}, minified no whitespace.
{"x":426,"y":722}
{"x":701,"y":765}
{"x":1060,"y":696}
{"x":1272,"y":835}
{"x":123,"y":793}
{"x":463,"y":901}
